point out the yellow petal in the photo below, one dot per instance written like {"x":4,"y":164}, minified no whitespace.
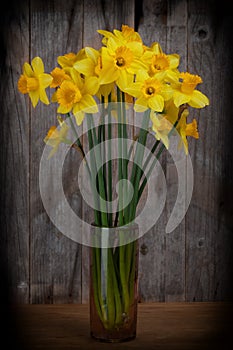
{"x":88,"y":104}
{"x":166,"y":92}
{"x":85,"y":66}
{"x":113,"y":43}
{"x":27,"y":70}
{"x":172,"y":75}
{"x":64,"y":109}
{"x":174,"y":60}
{"x":136,"y":65}
{"x":156,"y":103}
{"x":106,"y":89}
{"x":136,"y":47}
{"x":156,"y":48}
{"x":134,"y":89}
{"x":198,"y":100}
{"x":77,"y":78}
{"x":124,"y":79}
{"x":79,"y":117}
{"x":45,"y":79}
{"x":91,"y":85}
{"x":108,"y":75}
{"x":180,"y":98}
{"x":38,"y":65}
{"x":105,"y":33}
{"x":34,"y":96}
{"x":141,"y":105}
{"x":43,"y":96}
{"x":142,"y":75}
{"x":92,"y":54}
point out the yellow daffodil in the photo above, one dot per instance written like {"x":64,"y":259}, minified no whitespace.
{"x":172,"y":113}
{"x":162,"y":65}
{"x":90,"y":66}
{"x":34,"y":81}
{"x":56,"y":135}
{"x":126,"y":35}
{"x":144,"y":75}
{"x":68,"y":61}
{"x":185,"y":130}
{"x":58,"y":75}
{"x":120,"y":62}
{"x":76,"y":95}
{"x":163,"y":123}
{"x":161,"y":126}
{"x":184,"y":91}
{"x":150,"y":92}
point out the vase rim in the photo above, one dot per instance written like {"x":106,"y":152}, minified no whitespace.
{"x":130,"y":226}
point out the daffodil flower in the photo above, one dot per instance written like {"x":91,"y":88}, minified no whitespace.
{"x":91,"y":66}
{"x":185,"y":130}
{"x":120,"y":62}
{"x":56,"y":135}
{"x":184,"y":91}
{"x":58,"y":75}
{"x":161,"y":126}
{"x":172,"y":113}
{"x":68,"y":61}
{"x":126,"y":35}
{"x":160,"y":64}
{"x":150,"y":92}
{"x":76,"y":95}
{"x":34,"y":81}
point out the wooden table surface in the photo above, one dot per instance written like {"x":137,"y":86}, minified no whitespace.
{"x":160,"y":326}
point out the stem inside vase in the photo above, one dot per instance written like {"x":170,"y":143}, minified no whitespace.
{"x":113,"y":291}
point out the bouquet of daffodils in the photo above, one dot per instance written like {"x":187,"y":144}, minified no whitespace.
{"x":123,"y":71}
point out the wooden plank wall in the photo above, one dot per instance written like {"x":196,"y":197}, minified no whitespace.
{"x":193,"y":263}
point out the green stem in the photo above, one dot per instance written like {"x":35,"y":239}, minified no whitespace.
{"x":101,"y":140}
{"x":124,"y":161}
{"x":78,"y":142}
{"x":96,"y":284}
{"x":115,"y":287}
{"x":122,"y":271}
{"x":144,"y":182}
{"x":101,"y":183}
{"x":162,"y":147}
{"x":109,"y":163}
{"x":132,"y":271}
{"x":137,"y":171}
{"x":153,"y":149}
{"x":122,"y":267}
{"x":120,"y":174}
{"x":93,"y":171}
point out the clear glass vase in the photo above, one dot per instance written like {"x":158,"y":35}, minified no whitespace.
{"x":114,"y":290}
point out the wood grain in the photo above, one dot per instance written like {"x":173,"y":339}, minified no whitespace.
{"x":182,"y":326}
{"x":55,"y":259}
{"x":14,"y":157}
{"x":195,"y":262}
{"x":165,"y":260}
{"x":209,"y":242}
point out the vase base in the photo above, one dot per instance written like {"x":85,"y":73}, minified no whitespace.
{"x":113,"y":340}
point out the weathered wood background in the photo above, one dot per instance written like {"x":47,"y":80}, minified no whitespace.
{"x":193,"y":263}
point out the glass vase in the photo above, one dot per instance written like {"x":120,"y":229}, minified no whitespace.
{"x":114,"y":289}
